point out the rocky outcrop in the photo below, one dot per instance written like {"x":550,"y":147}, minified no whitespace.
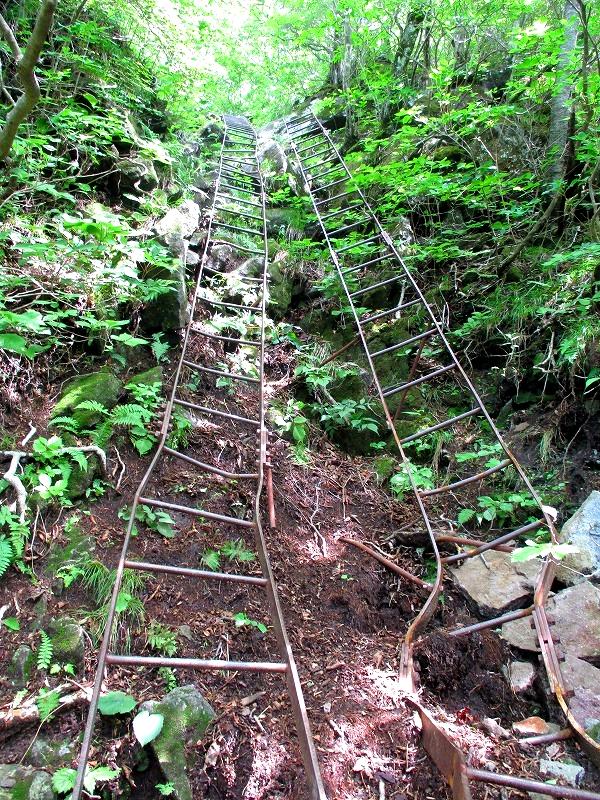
{"x":583,"y":531}
{"x":25,"y":783}
{"x":495,"y":584}
{"x":186,"y":715}
{"x":103,"y":387}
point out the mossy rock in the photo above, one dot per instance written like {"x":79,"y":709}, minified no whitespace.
{"x":68,"y":641}
{"x":21,"y":665}
{"x":47,"y":753}
{"x":186,"y":715}
{"x":280,"y":291}
{"x":24,"y":783}
{"x":148,"y":377}
{"x":102,"y":387}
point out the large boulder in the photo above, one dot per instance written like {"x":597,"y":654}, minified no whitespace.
{"x":135,"y":174}
{"x":494,"y":583}
{"x":583,"y":531}
{"x":177,"y":225}
{"x":186,"y":715}
{"x":103,"y":387}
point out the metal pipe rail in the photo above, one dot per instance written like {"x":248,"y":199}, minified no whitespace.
{"x":238,"y":135}
{"x":371,"y":244}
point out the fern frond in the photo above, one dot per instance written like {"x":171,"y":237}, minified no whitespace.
{"x":44,"y":657}
{"x":6,"y":555}
{"x":47,"y":702}
{"x":130,"y":414}
{"x":92,"y":405}
{"x":103,"y":433}
{"x":18,"y":536}
{"x":66,"y":423}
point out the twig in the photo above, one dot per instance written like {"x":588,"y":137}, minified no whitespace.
{"x":403,"y":573}
{"x":122,"y":463}
{"x":11,"y":477}
{"x":29,"y":713}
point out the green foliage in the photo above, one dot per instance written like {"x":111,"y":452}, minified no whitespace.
{"x":45,"y":651}
{"x":165,"y":789}
{"x":161,"y":638}
{"x":234,"y":550}
{"x":63,"y":780}
{"x":401,"y":483}
{"x":152,"y":519}
{"x":348,"y":413}
{"x":6,"y":555}
{"x":290,"y":419}
{"x":242,"y":619}
{"x":12,"y":623}
{"x":116,"y":702}
{"x":47,"y":702}
{"x":502,"y":508}
{"x":541,"y":550}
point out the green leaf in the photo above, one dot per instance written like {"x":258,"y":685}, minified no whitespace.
{"x":116,"y":703}
{"x":17,"y":344}
{"x":63,"y":780}
{"x":12,"y":623}
{"x":465,"y":515}
{"x":129,"y":340}
{"x":146,"y":726}
{"x":211,"y":559}
{"x":123,"y":601}
{"x":93,"y":776}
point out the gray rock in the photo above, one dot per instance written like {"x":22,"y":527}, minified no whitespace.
{"x":45,"y":753}
{"x":576,"y":611}
{"x":494,"y":583}
{"x":221,"y":255}
{"x":583,"y":531}
{"x":41,"y":787}
{"x":17,"y":781}
{"x":572,"y":774}
{"x":68,"y":641}
{"x":169,"y":312}
{"x":177,"y":225}
{"x":583,"y":679}
{"x":187,"y":715}
{"x":103,"y":387}
{"x":136,"y":174}
{"x":22,"y":664}
{"x":280,"y":291}
{"x":191,"y":258}
{"x":271,"y":151}
{"x":521,"y":675}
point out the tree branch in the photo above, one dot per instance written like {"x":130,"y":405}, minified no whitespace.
{"x":25,"y":68}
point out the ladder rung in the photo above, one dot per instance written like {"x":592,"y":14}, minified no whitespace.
{"x":466,"y":481}
{"x":238,"y":200}
{"x":320,"y":153}
{"x":231,"y":170}
{"x":329,"y":185}
{"x":382,"y":314}
{"x":220,"y":373}
{"x":196,"y":663}
{"x":374,"y":286}
{"x":168,"y":569}
{"x":237,"y":188}
{"x":348,"y":227}
{"x":197,"y":512}
{"x":406,"y":342}
{"x":251,"y":231}
{"x":334,"y":197}
{"x":209,"y":467}
{"x":215,"y":412}
{"x":222,"y":304}
{"x":506,"y":537}
{"x":395,"y":389}
{"x":239,"y":213}
{"x":358,"y":244}
{"x":241,"y":247}
{"x":218,"y":338}
{"x":318,"y":135}
{"x":327,"y":172}
{"x":441,"y":425}
{"x":344,"y":210}
{"x":243,"y":150}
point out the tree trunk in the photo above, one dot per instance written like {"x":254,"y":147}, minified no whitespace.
{"x":26,"y":63}
{"x":561,"y":111}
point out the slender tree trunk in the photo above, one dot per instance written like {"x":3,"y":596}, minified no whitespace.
{"x":26,"y":63}
{"x":561,"y":108}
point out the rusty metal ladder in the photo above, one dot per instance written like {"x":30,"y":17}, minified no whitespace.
{"x":343,"y":211}
{"x":238,"y":184}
